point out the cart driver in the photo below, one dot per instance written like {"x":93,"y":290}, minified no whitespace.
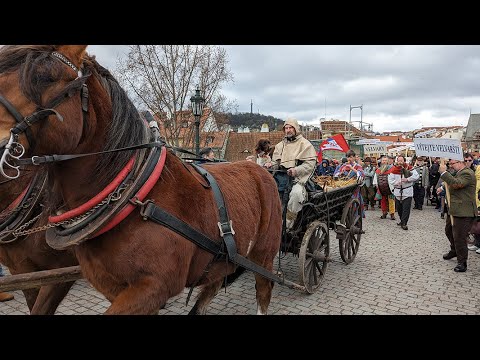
{"x":298,"y":157}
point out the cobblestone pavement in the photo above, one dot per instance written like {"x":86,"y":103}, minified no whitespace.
{"x":395,"y":272}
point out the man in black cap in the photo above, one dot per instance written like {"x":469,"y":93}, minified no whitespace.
{"x":462,"y":210}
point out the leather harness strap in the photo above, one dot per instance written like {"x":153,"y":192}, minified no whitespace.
{"x":18,"y":118}
{"x":25,"y":210}
{"x":152,"y":212}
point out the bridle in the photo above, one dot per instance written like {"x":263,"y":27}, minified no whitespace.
{"x":14,"y":150}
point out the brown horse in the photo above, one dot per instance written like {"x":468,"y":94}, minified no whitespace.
{"x":31,"y":253}
{"x":138,"y":265}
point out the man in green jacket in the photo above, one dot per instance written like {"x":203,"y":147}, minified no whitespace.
{"x":462,"y":210}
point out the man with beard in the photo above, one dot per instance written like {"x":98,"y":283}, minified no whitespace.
{"x":298,"y":157}
{"x":462,"y":210}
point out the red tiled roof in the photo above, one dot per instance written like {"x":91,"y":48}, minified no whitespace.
{"x":183,"y":116}
{"x":339,"y":126}
{"x":393,"y":138}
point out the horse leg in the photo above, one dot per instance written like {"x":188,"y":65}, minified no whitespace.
{"x":49,"y":297}
{"x":30,"y":296}
{"x":144,"y":297}
{"x":24,"y":267}
{"x":263,"y":289}
{"x":263,"y":286}
{"x":205,"y":297}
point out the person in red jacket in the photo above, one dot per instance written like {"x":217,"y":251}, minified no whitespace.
{"x":380,"y":180}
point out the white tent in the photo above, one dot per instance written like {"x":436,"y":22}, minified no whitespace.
{"x":400,"y":149}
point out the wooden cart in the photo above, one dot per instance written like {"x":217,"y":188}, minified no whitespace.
{"x":338,"y":210}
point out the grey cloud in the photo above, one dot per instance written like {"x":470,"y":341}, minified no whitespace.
{"x":400,"y":87}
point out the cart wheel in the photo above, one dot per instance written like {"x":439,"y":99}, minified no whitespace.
{"x":313,"y":255}
{"x":350,"y":241}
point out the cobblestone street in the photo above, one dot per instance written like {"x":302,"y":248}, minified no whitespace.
{"x":395,"y":272}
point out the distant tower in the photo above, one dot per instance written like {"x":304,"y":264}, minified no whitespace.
{"x":251,"y":107}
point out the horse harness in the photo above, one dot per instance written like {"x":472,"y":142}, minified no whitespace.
{"x":23,"y":211}
{"x":150,"y":211}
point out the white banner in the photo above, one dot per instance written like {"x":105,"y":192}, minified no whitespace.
{"x":401,"y":148}
{"x":373,"y":142}
{"x":374,"y":149}
{"x":444,"y":148}
{"x":402,"y":143}
{"x":367,"y":141}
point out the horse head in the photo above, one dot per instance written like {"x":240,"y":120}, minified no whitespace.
{"x":58,"y":99}
{"x":37,"y":83}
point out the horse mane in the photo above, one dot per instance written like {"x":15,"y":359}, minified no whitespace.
{"x":38,"y":71}
{"x":36,"y":68}
{"x":126,"y":127}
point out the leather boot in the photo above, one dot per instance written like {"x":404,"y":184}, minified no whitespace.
{"x":450,"y":255}
{"x":461,"y":267}
{"x":384,"y":216}
{"x":5,"y":296}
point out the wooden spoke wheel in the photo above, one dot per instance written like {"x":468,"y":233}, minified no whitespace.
{"x":352,"y":220}
{"x":314,"y":255}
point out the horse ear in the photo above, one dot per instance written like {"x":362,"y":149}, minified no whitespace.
{"x":74,"y":53}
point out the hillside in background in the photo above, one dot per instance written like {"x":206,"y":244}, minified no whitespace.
{"x":253,"y":121}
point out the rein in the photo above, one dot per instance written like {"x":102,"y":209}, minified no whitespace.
{"x":48,"y":159}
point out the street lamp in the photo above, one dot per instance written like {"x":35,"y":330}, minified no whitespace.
{"x":197,"y":109}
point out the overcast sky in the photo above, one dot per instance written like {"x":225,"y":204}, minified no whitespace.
{"x":399,"y":87}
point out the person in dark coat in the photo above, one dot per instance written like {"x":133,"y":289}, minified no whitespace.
{"x":433,"y":177}
{"x":324,"y":169}
{"x":461,"y":212}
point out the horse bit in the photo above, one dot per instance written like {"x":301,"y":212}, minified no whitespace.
{"x":14,"y":150}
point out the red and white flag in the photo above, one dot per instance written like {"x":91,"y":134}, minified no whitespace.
{"x":336,"y":142}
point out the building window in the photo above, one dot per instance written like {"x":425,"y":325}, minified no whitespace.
{"x":210,"y":139}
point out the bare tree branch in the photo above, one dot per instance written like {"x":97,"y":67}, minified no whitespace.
{"x":163,"y":77}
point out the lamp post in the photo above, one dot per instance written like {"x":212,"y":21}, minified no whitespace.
{"x":197,"y":109}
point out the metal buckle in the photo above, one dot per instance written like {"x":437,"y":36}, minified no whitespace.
{"x":135,"y":201}
{"x":34,"y":162}
{"x":229,"y":228}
